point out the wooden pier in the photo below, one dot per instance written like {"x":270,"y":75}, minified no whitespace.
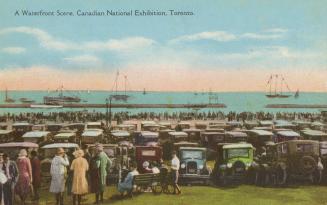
{"x":121,"y":105}
{"x":297,"y":106}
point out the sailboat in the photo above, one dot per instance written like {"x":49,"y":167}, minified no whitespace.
{"x":61,"y":98}
{"x":7,"y":98}
{"x":144,"y":92}
{"x":275,"y":92}
{"x":297,"y":94}
{"x":117,"y":96}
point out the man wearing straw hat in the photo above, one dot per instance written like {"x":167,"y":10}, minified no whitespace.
{"x":58,"y":173}
{"x":98,"y":172}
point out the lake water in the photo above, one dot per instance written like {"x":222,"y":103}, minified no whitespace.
{"x":235,"y":101}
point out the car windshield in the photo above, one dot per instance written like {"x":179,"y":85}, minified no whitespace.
{"x":237,"y":152}
{"x":192,"y":154}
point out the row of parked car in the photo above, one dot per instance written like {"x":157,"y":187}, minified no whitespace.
{"x":266,"y":152}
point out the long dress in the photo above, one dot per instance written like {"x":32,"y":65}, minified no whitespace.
{"x":80,"y":185}
{"x":23,"y":187}
{"x":98,"y":172}
{"x":36,"y":171}
{"x":58,"y":174}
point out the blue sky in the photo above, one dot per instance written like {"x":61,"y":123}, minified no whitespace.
{"x":265,"y":36}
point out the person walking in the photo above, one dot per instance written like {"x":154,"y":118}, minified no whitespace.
{"x":25,"y":179}
{"x":175,"y":163}
{"x":58,"y":173}
{"x":10,"y":170}
{"x":79,"y":167}
{"x":36,"y":173}
{"x":100,"y":163}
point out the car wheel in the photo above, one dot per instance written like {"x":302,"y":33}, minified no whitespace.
{"x":281,"y":176}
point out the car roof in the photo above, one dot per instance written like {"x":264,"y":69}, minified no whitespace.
{"x":237,"y":134}
{"x":193,"y":148}
{"x":62,"y":145}
{"x":237,"y":145}
{"x":65,"y":134}
{"x":19,"y":144}
{"x":120,"y":134}
{"x":4,"y":132}
{"x":314,"y":132}
{"x":21,"y":124}
{"x":149,"y":134}
{"x":288,"y":133}
{"x":192,"y":130}
{"x":261,"y":132}
{"x":300,"y":142}
{"x":92,"y":132}
{"x":93,"y":123}
{"x":177,"y":133}
{"x":36,"y":134}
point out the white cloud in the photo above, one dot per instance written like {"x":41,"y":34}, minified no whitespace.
{"x":13,"y":50}
{"x":221,"y":36}
{"x":224,"y":36}
{"x":50,"y":42}
{"x":83,"y":59}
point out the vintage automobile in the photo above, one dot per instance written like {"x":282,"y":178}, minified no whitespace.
{"x":39,"y":127}
{"x":217,"y":125}
{"x":165,"y":125}
{"x":201,"y":125}
{"x":13,"y":148}
{"x":152,"y":154}
{"x":21,"y":128}
{"x":146,"y":138}
{"x":182,"y":125}
{"x":167,"y":142}
{"x":233,"y":162}
{"x":6,"y":136}
{"x":164,"y":136}
{"x":38,"y":137}
{"x":300,"y":125}
{"x":259,"y":139}
{"x":66,"y":137}
{"x":286,"y":135}
{"x":294,"y":159}
{"x":231,"y":125}
{"x":193,"y":167}
{"x":124,"y":127}
{"x":78,"y":127}
{"x":318,"y":126}
{"x":194,"y":135}
{"x":211,"y":139}
{"x":91,"y":136}
{"x":48,"y":152}
{"x":121,"y":138}
{"x":151,"y":126}
{"x":54,"y":127}
{"x":250,"y":124}
{"x":314,"y":135}
{"x":3,"y":126}
{"x":235,"y":136}
{"x":283,"y":124}
{"x":95,"y":125}
{"x":266,"y":123}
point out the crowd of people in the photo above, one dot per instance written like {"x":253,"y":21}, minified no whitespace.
{"x":85,"y":173}
{"x":84,"y":116}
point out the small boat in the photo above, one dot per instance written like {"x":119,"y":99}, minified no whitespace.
{"x":7,"y":98}
{"x":144,"y":92}
{"x":273,"y":83}
{"x":60,"y":99}
{"x":45,"y":106}
{"x":26,"y":100}
{"x":297,"y":94}
{"x":117,"y":96}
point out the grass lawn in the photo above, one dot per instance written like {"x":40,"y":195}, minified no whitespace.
{"x":242,"y":195}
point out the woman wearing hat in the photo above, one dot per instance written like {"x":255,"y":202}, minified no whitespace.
{"x":80,"y":167}
{"x":23,"y":186}
{"x":58,"y":175}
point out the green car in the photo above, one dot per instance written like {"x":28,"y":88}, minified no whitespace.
{"x":233,"y":162}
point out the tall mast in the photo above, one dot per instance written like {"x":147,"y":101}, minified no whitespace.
{"x":270,"y":82}
{"x":276,"y":78}
{"x":125,"y":82}
{"x":116,"y":83}
{"x":6,"y":92}
{"x":281,"y":85}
